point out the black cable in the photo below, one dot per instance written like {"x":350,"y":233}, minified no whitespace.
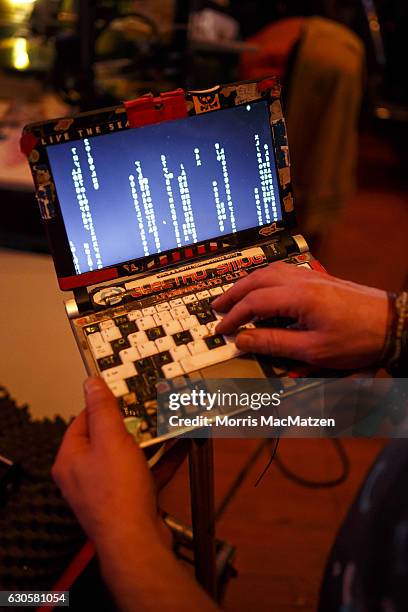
{"x":242,"y":474}
{"x":316,"y":484}
{"x":268,"y":465}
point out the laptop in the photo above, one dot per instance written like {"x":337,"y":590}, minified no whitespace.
{"x":152,"y":209}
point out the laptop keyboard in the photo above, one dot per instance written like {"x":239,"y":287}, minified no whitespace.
{"x":165,"y":340}
{"x":137,"y":345}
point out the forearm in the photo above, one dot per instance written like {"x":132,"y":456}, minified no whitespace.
{"x":144,"y":575}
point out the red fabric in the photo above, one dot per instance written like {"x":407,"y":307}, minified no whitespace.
{"x":275,"y":42}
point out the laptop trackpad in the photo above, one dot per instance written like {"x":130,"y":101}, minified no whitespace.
{"x":245,"y":366}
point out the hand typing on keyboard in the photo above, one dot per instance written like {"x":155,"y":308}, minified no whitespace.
{"x":341,"y":324}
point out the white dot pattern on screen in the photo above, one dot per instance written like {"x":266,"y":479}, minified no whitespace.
{"x":222,"y":158}
{"x":148,"y":205}
{"x":87,"y":219}
{"x":92,"y":168}
{"x":139,"y":215}
{"x":189,"y":227}
{"x":220,"y":207}
{"x":266,"y":177}
{"x":168,"y":176}
{"x":74,"y":257}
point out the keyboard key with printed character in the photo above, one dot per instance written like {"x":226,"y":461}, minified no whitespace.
{"x":120,"y":344}
{"x":91,"y":329}
{"x":111,"y":333}
{"x":144,"y":365}
{"x":109,"y":362}
{"x":183,"y":337}
{"x":121,"y":320}
{"x":206,"y":316}
{"x":120,"y":372}
{"x":155,"y":332}
{"x":127,"y":328}
{"x":129,"y":354}
{"x":214,"y":342}
{"x":162,"y":359}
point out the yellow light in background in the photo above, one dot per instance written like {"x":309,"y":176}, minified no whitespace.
{"x":20,"y":2}
{"x":20,"y":59}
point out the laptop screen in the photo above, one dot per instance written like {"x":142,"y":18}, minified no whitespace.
{"x":142,"y":191}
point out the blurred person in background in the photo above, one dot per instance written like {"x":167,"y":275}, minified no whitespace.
{"x":321,"y":63}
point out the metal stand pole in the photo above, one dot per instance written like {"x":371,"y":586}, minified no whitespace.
{"x":201,"y":463}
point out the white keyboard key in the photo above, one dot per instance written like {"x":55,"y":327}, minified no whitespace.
{"x":107,"y":323}
{"x":147,"y":349}
{"x":146,"y":323}
{"x":216,"y":291}
{"x":202,"y":295}
{"x":102,"y":351}
{"x":179,"y":312}
{"x":111,"y":333}
{"x":163,"y":306}
{"x":188,"y":322}
{"x":179,"y":352}
{"x":118,"y":388}
{"x":172,"y":327}
{"x":134,"y":314}
{"x":129,"y":354}
{"x":171,"y":370}
{"x":227,"y":287}
{"x":200,"y":331}
{"x":199,"y":346}
{"x":203,"y":360}
{"x":121,"y":372}
{"x":147,"y":312}
{"x":96,"y":340}
{"x":175,"y":303}
{"x":164,"y":344}
{"x":211,"y":327}
{"x":162,"y":317}
{"x":137,"y":338}
{"x":189,"y":299}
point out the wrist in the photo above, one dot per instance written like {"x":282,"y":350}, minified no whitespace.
{"x":395,"y":353}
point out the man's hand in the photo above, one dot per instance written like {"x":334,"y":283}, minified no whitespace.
{"x":340,"y":324}
{"x":103,"y":474}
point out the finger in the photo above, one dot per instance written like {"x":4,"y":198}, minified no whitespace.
{"x":277,"y":342}
{"x":266,"y":277}
{"x":104,"y":419}
{"x":75,"y":441}
{"x":262,"y":303}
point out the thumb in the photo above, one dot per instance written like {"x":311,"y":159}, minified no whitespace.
{"x":104,"y":419}
{"x":276,"y":342}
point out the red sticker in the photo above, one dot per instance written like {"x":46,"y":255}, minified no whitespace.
{"x":27,"y":143}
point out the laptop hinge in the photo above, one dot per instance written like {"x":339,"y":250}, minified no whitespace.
{"x":82,"y":299}
{"x":298,"y":245}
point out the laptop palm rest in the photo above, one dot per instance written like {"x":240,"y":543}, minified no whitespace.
{"x":245,"y":366}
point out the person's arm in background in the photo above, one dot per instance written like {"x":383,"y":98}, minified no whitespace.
{"x":103,"y":475}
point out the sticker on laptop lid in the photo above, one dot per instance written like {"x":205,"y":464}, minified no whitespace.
{"x":247,"y":92}
{"x":205,"y":102}
{"x":270,"y":229}
{"x":288,"y":203}
{"x":45,"y":192}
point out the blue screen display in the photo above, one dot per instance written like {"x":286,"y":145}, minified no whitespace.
{"x":141,"y":191}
